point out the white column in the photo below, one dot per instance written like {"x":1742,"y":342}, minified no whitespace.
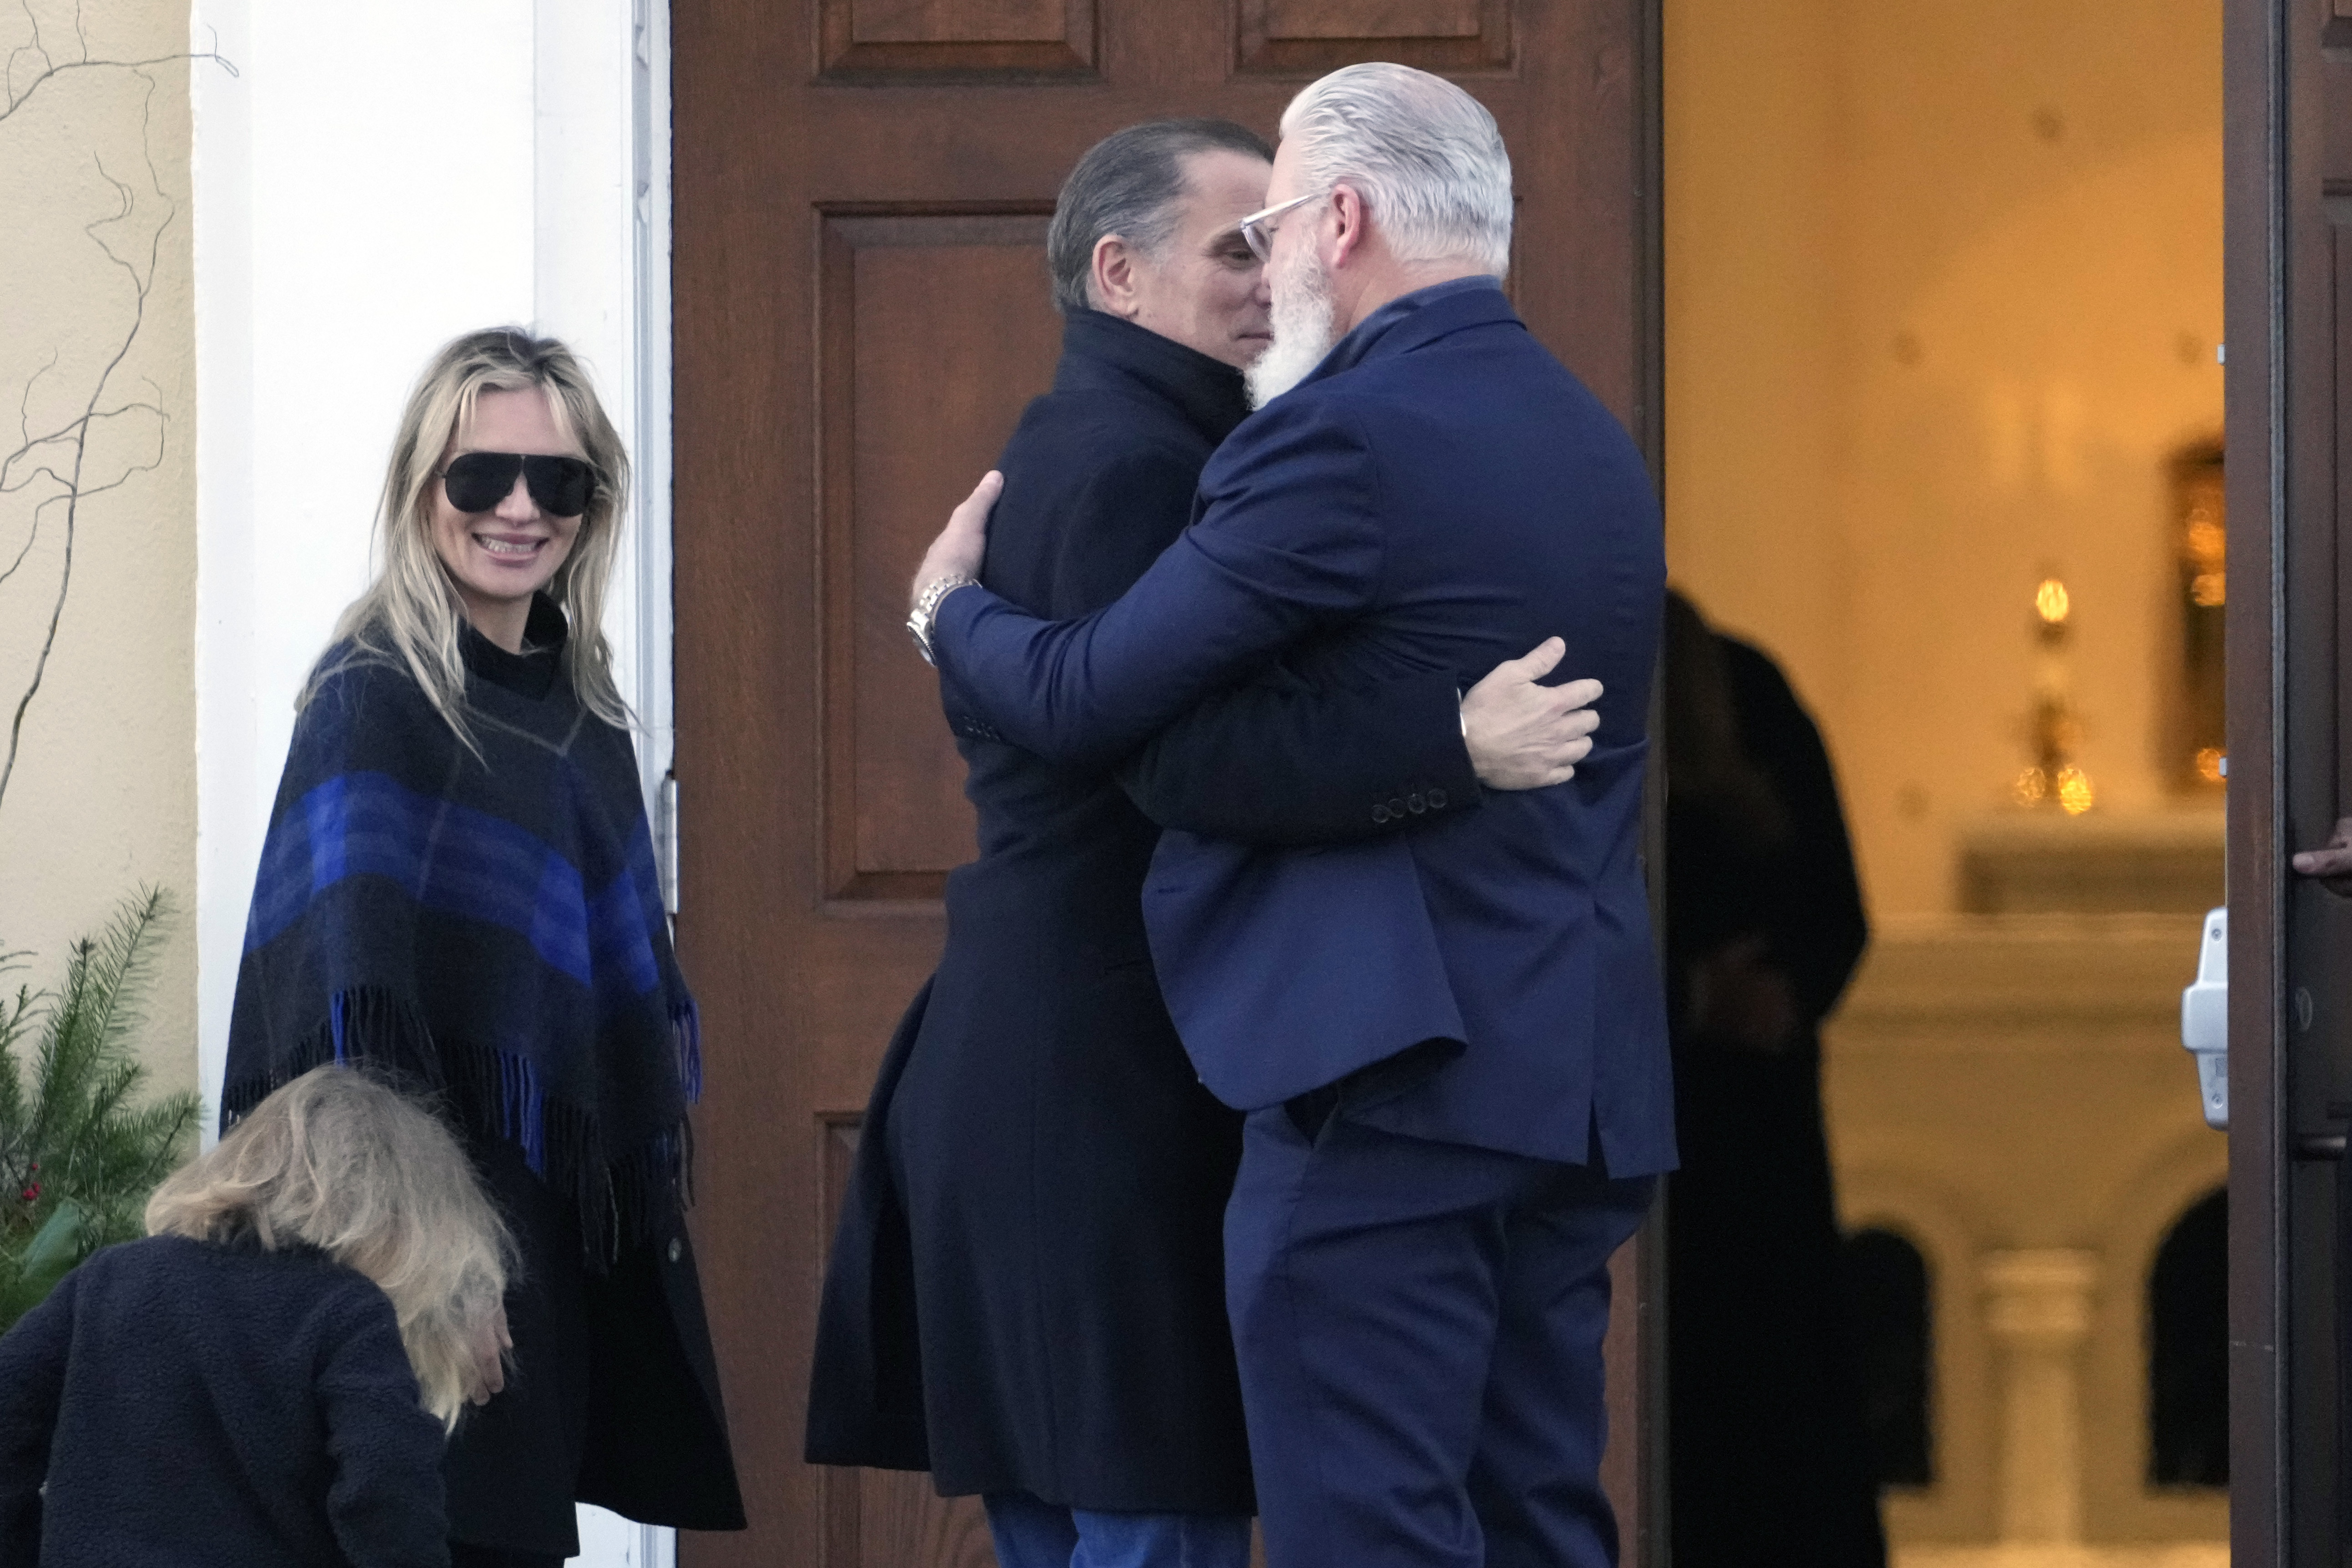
{"x":364,"y":192}
{"x":601,"y":282}
{"x":2039,"y":1309}
{"x":379,"y":176}
{"x":375,"y":178}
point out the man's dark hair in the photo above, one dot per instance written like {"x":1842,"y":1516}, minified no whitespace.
{"x":1128,"y":184}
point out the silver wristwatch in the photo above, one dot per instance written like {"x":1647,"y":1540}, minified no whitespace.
{"x":926,"y":609}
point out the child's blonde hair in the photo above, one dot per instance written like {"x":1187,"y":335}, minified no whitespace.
{"x":342,"y":1163}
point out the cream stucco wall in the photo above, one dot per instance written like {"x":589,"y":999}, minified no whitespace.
{"x":1943,"y":291}
{"x":103,"y":798}
{"x":153,"y":748}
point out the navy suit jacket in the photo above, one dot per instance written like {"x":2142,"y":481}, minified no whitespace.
{"x":1439,"y":495}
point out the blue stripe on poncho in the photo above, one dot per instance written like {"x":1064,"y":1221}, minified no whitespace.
{"x":486,"y":928}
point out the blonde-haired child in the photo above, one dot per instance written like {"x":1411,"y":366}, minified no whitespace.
{"x":268,"y":1377}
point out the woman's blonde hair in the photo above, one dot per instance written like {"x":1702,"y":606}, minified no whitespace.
{"x":340,"y":1162}
{"x":411,"y":612}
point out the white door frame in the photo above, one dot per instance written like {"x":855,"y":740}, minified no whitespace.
{"x":376,"y":177}
{"x":602,"y":245}
{"x":600,"y":281}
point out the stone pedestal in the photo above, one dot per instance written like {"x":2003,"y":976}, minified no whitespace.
{"x":2039,"y":1310}
{"x":2045,"y":862}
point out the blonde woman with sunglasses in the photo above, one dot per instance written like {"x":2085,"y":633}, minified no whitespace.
{"x":457,"y":889}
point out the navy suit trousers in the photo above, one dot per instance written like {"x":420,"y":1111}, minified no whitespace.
{"x":1418,"y":1327}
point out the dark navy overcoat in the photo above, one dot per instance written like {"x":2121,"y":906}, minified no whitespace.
{"x":1026,"y":1290}
{"x":1440,"y":493}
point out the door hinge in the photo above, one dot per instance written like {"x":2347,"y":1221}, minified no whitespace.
{"x":666,"y":840}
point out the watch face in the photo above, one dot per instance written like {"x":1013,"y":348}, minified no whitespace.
{"x":927,"y":610}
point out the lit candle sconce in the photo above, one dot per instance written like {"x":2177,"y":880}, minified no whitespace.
{"x":2054,"y":779}
{"x":2196,"y":707}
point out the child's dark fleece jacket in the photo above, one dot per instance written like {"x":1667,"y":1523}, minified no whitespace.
{"x":190,"y":1405}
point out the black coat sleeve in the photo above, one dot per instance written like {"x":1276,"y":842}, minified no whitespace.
{"x":1282,"y":760}
{"x":385,"y":1503}
{"x":1129,"y":509}
{"x":1275,"y":760}
{"x":1090,"y":537}
{"x":32,"y":1382}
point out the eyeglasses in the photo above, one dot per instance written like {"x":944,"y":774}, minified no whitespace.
{"x":477,"y":481}
{"x":1257,"y":229}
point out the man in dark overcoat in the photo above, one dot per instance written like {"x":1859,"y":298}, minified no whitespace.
{"x":1027,"y":1296}
{"x":1770,"y":1458}
{"x":1450,"y":1038}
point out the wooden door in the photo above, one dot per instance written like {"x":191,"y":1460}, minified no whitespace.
{"x":2289,"y":100}
{"x":862,"y":190}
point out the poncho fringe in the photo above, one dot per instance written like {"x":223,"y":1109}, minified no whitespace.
{"x":496,"y":1094}
{"x":484,"y":926}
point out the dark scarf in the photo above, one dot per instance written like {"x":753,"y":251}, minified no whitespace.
{"x":487,"y":930}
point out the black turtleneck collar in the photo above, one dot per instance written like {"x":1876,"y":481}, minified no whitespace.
{"x":530,"y":673}
{"x":1102,"y":352}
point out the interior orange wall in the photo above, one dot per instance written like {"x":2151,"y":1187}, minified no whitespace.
{"x":1943,"y":291}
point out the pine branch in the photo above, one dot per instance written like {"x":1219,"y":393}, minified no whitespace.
{"x":15,"y":1146}
{"x":125,"y":959}
{"x":75,"y":1140}
{"x":156,"y":1136}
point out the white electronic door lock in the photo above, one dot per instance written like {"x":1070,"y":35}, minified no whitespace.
{"x":2205,"y":1019}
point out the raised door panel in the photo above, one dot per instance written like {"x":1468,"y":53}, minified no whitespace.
{"x":934,"y":328}
{"x":889,"y":1519}
{"x":1307,"y":36}
{"x":959,"y":21}
{"x":886,"y":1519}
{"x":913,"y":40}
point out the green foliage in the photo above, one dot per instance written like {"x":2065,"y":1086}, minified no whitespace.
{"x":78,"y":1152}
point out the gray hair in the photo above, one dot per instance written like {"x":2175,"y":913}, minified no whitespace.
{"x":1128,"y":185}
{"x":1426,"y":157}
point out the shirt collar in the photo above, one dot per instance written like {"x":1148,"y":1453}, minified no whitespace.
{"x":1371,"y":331}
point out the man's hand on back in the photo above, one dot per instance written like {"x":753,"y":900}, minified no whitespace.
{"x":1526,"y":736}
{"x":1520,"y":735}
{"x":956,"y":551}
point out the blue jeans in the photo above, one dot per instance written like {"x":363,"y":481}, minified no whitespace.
{"x":1033,"y":1534}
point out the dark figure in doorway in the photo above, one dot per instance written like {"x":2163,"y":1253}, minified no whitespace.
{"x":1765,"y":924}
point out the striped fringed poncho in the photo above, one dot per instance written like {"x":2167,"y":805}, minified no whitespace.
{"x":488,"y":930}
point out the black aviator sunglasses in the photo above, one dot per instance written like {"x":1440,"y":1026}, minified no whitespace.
{"x":477,"y":481}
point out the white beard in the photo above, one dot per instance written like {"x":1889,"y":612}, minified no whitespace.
{"x":1304,"y":329}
